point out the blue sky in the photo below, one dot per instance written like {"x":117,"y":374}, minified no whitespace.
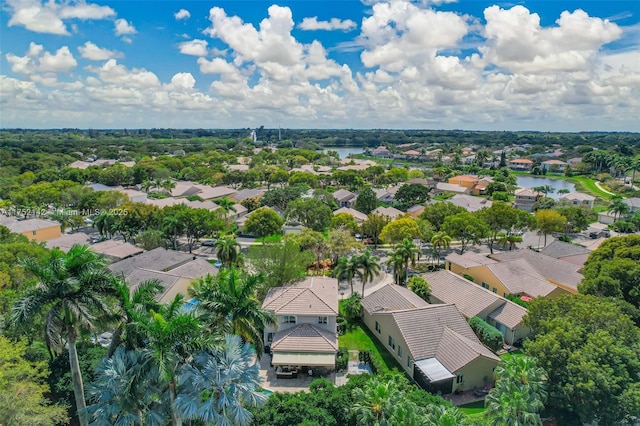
{"x":530,"y":65}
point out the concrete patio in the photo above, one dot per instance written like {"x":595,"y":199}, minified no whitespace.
{"x":300,"y":383}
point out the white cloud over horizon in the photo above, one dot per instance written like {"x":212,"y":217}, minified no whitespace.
{"x":412,"y":73}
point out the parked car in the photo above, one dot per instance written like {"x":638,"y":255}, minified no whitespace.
{"x":208,"y":243}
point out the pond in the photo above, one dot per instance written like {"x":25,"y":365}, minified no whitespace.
{"x":344,"y":152}
{"x":556,"y":184}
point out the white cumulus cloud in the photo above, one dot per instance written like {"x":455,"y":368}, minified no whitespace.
{"x":312,"y":24}
{"x":182,"y":14}
{"x":94,"y":53}
{"x":37,"y":60}
{"x":194,"y":47}
{"x":123,"y":27}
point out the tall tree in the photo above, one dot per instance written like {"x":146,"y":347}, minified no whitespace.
{"x":589,"y":348}
{"x":310,"y":212}
{"x":366,"y":201}
{"x":618,"y":207}
{"x":227,"y":250}
{"x":396,"y":262}
{"x":499,"y":217}
{"x":436,"y":213}
{"x":410,"y":253}
{"x":400,"y":229}
{"x":72,"y":292}
{"x":440,"y":240}
{"x":228,"y":302}
{"x":368,"y":267}
{"x":419,"y":286}
{"x":262,"y":222}
{"x":373,"y":226}
{"x":466,"y":228}
{"x":219,"y":385}
{"x":346,"y":269}
{"x":548,"y":221}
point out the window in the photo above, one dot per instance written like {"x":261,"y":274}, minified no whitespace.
{"x":378,"y":329}
{"x":408,"y":361}
{"x":33,"y":232}
{"x":485,"y":285}
{"x":399,"y":351}
{"x":289,"y":319}
{"x":504,"y":295}
{"x":323,"y":320}
{"x":392,"y":344}
{"x":459,"y":379}
{"x":495,"y":290}
{"x":269,"y":337}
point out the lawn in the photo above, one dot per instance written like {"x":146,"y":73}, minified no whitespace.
{"x":518,"y":353}
{"x":589,"y":185}
{"x":358,"y":337}
{"x":473,"y":408}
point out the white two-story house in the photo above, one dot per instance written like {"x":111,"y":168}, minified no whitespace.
{"x":306,"y":335}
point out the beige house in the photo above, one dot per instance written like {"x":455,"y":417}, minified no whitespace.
{"x":390,"y":212}
{"x":33,"y":229}
{"x":306,"y":335}
{"x":516,"y":277}
{"x":433,"y":343}
{"x":578,"y":199}
{"x":345,"y":198}
{"x":521,"y":164}
{"x":475,"y":301}
{"x":525,"y":198}
{"x":358,"y":216}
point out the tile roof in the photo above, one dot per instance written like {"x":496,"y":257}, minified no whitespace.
{"x":184,"y":188}
{"x":313,"y":296}
{"x":139,"y":275}
{"x":521,"y":161}
{"x":558,"y":249}
{"x":116,"y":249}
{"x":343,"y":195}
{"x":469,"y":298}
{"x":527,"y":192}
{"x":392,"y":297}
{"x":509,"y":314}
{"x":552,"y":269}
{"x":208,"y":192}
{"x":66,"y":241}
{"x":469,"y":259}
{"x":518,"y":277}
{"x":358,"y":216}
{"x":27,"y":225}
{"x":195,"y":269}
{"x":391,"y":212}
{"x":633,"y":202}
{"x":450,"y":187}
{"x":579,"y":196}
{"x":470,"y":203}
{"x":304,"y":338}
{"x":158,"y":259}
{"x":424,"y":332}
{"x":243,"y":194}
{"x":464,"y":178}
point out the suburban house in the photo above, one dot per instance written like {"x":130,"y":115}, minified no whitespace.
{"x":174,"y":269}
{"x":345,"y":198}
{"x":358,"y":216}
{"x":475,"y":301}
{"x":521,"y":164}
{"x":434,"y":344}
{"x":464,"y":180}
{"x":451,"y":187}
{"x":415,"y":211}
{"x":115,"y":250}
{"x":381,"y":152}
{"x":66,"y":241}
{"x":516,"y":277}
{"x":33,"y":229}
{"x":470,"y":203}
{"x":571,"y":253}
{"x":633,"y":203}
{"x":525,"y":198}
{"x":386,"y":195}
{"x":206,"y":192}
{"x":306,"y":335}
{"x":578,"y":199}
{"x":554,"y":165}
{"x":391,"y":212}
{"x":244,"y":194}
{"x":563,"y":274}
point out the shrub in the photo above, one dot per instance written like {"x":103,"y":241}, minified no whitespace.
{"x":518,"y":301}
{"x":342,"y":359}
{"x":487,"y":334}
{"x":468,"y":277}
{"x":500,"y":196}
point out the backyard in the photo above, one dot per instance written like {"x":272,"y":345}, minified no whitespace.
{"x":359,"y":338}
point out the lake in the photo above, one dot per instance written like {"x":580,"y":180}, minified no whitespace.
{"x":344,"y":152}
{"x":556,"y":184}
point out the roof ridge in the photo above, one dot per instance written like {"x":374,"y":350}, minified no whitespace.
{"x":285,"y":290}
{"x":468,"y":343}
{"x":317,"y":295}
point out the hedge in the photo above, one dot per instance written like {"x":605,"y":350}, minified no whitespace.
{"x":487,"y":334}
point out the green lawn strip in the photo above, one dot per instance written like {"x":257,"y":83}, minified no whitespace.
{"x":359,"y":338}
{"x":475,"y":408}
{"x":585,"y":184}
{"x":508,"y":355}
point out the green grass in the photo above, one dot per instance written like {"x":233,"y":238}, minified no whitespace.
{"x":359,"y":338}
{"x":588,"y":185}
{"x":518,"y":353}
{"x":473,"y":408}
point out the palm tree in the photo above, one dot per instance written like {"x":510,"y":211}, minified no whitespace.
{"x":128,"y":391}
{"x":346,"y":269}
{"x":440,"y":240}
{"x":142,"y":300}
{"x":226,"y":206}
{"x":410,"y":253}
{"x":218,"y":385}
{"x":372,"y":401}
{"x":228,"y":302}
{"x":104,"y":223}
{"x":227,"y":250}
{"x":502,"y":239}
{"x":172,"y":228}
{"x":146,"y":185}
{"x":441,"y":415}
{"x":353,"y":307}
{"x":167,"y":185}
{"x":71,"y":292}
{"x":519,"y":394}
{"x":618,"y":207}
{"x":368,"y":267}
{"x":512,"y":240}
{"x":172,"y":335}
{"x":396,"y":261}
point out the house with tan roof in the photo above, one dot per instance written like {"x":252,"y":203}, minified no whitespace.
{"x":345,"y":198}
{"x":525,"y":198}
{"x":470,"y":203}
{"x":391,"y":212}
{"x":578,"y":199}
{"x":358,"y":216}
{"x":554,"y":165}
{"x":66,"y":241}
{"x":306,"y":335}
{"x":115,"y":250}
{"x":432,"y":342}
{"x":572,"y":253}
{"x":516,"y":276}
{"x":521,"y":164}
{"x":34,"y":229}
{"x":475,"y":301}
